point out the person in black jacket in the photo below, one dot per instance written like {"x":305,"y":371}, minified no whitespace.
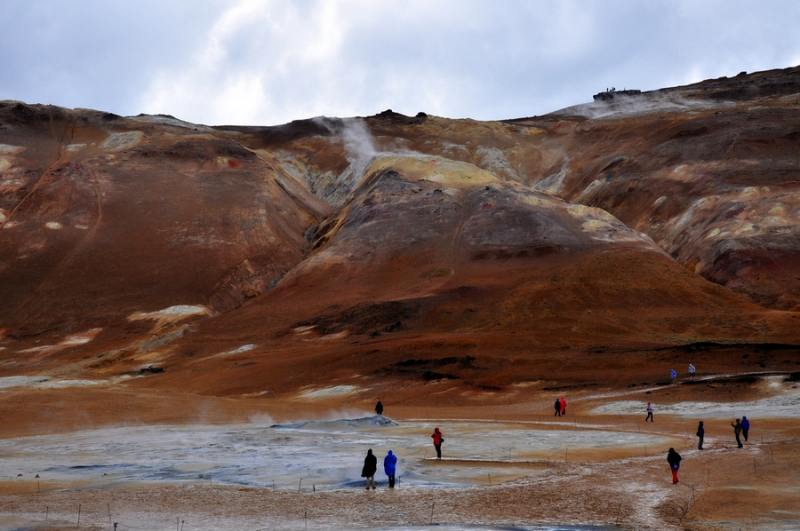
{"x":379,"y":408}
{"x":370,"y":466}
{"x":701,"y":432}
{"x":674,"y":460}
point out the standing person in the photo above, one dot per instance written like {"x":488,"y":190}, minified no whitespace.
{"x":674,"y":460}
{"x":701,"y":432}
{"x":691,"y":371}
{"x":563,"y":407}
{"x":673,"y":375}
{"x":390,"y":467}
{"x":558,"y":407}
{"x":370,"y":467}
{"x":437,"y":442}
{"x":649,"y":413}
{"x":745,"y":427}
{"x":737,"y":429}
{"x":379,"y":408}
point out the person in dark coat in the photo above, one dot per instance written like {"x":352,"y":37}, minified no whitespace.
{"x":379,"y":408}
{"x":737,"y":429}
{"x":558,"y":407}
{"x":370,"y":466}
{"x":390,"y":467}
{"x":437,"y":442}
{"x":674,"y":460}
{"x":701,"y":432}
{"x":745,"y":427}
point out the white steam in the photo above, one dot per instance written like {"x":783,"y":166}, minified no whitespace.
{"x":628,"y":106}
{"x":357,"y":141}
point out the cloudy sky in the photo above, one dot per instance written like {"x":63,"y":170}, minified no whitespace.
{"x":272,"y":61}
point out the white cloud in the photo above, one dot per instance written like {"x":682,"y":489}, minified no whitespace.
{"x":272,"y":61}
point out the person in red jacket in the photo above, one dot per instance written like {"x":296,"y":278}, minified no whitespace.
{"x":563,"y":406}
{"x":437,"y":442}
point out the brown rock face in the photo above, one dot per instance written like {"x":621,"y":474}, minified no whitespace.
{"x":240,"y":259}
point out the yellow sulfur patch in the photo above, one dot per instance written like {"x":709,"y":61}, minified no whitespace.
{"x":122,"y":141}
{"x":434,"y":169}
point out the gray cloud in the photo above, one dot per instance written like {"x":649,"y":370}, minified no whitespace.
{"x":259,"y":62}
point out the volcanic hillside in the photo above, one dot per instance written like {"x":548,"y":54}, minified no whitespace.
{"x":404,"y":251}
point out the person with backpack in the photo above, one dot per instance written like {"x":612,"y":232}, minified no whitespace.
{"x":674,"y":460}
{"x":390,"y":467}
{"x":701,"y":432}
{"x":437,"y":442}
{"x":370,"y":467}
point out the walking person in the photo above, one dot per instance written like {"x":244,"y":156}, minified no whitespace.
{"x":558,"y":407}
{"x":370,"y":467}
{"x":390,"y":467}
{"x":737,"y":429}
{"x":674,"y":460}
{"x":701,"y":432}
{"x":379,"y":408}
{"x":745,"y":427}
{"x":649,"y":413}
{"x":563,"y":407}
{"x":673,"y":375}
{"x":437,"y":442}
{"x":691,"y":371}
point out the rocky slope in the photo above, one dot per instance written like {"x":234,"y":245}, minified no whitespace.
{"x":480,"y":255}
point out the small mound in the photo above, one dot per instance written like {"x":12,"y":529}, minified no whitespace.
{"x":375,"y":421}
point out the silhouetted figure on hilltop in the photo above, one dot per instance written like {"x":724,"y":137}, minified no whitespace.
{"x":379,"y":408}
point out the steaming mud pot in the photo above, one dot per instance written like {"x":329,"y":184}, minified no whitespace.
{"x":311,"y":455}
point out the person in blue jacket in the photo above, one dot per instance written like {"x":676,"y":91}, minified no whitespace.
{"x":745,"y":427}
{"x":390,"y":467}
